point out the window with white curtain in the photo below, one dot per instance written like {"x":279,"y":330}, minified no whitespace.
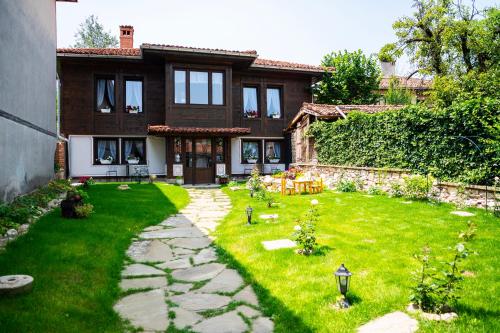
{"x":198,"y":87}
{"x":133,"y":150}
{"x":217,"y":88}
{"x":105,"y":95}
{"x":180,"y":87}
{"x":106,"y":151}
{"x":250,"y":151}
{"x":250,"y":102}
{"x":273,"y":151}
{"x":274,"y":103}
{"x":133,"y":96}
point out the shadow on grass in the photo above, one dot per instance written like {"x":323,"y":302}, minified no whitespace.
{"x":322,"y":250}
{"x":285,"y":320}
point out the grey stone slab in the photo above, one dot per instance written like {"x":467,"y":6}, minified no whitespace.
{"x":143,"y":283}
{"x":146,"y":310}
{"x":154,"y":228}
{"x":263,"y":325}
{"x":248,"y":311}
{"x":188,"y":232}
{"x":462,"y":213}
{"x":175,"y":264}
{"x":15,"y":284}
{"x":200,"y":302}
{"x":177,"y":221}
{"x":140,"y":269}
{"x":191,"y":243}
{"x":198,"y":273}
{"x":247,"y":295}
{"x":150,"y":251}
{"x":227,"y":281}
{"x":184,"y":318}
{"x":268,"y":216}
{"x":229,"y":322}
{"x":181,"y":251}
{"x":278,"y":244}
{"x":394,"y":322}
{"x":180,"y":287}
{"x":205,"y":256}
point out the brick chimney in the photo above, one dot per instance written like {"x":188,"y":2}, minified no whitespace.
{"x":126,"y":36}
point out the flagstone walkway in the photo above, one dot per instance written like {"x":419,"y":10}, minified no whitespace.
{"x":174,"y":277}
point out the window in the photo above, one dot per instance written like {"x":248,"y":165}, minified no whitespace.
{"x":134,"y":150}
{"x":219,"y":150}
{"x":250,"y":103}
{"x":274,"y":103}
{"x":217,"y":88}
{"x":203,"y":153}
{"x":106,"y":151}
{"x":273,"y":151}
{"x":250,"y":151}
{"x":198,"y":87}
{"x":180,"y":87}
{"x":105,"y":95}
{"x":133,"y":96}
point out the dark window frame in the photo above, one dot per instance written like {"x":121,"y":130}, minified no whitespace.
{"x":133,"y":78}
{"x":224,"y":147}
{"x":104,"y":77}
{"x":94,"y":144}
{"x":259,"y":111}
{"x":122,"y":147}
{"x":282,"y":155}
{"x":282,"y":110}
{"x":188,"y":88}
{"x":259,"y":143}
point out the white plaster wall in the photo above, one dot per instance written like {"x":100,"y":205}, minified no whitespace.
{"x":80,"y":157}
{"x":238,"y":168}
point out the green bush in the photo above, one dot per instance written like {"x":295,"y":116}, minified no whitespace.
{"x":375,"y":190}
{"x":396,"y":190}
{"x":83,"y":211}
{"x":346,"y":185}
{"x":458,"y":143}
{"x":416,"y":187}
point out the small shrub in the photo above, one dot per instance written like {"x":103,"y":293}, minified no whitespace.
{"x":462,"y":196}
{"x":254,"y":184}
{"x":417,"y":187}
{"x":396,"y":190}
{"x":346,"y":185}
{"x":305,"y":231}
{"x":233,"y":183}
{"x":84,"y":210}
{"x":266,"y":196}
{"x":375,"y":190}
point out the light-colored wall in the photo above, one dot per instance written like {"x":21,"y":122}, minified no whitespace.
{"x":27,"y":91}
{"x":81,"y":156}
{"x":238,"y":168}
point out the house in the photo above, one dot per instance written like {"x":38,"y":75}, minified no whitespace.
{"x":28,"y":133}
{"x":303,"y":150}
{"x":179,"y":111}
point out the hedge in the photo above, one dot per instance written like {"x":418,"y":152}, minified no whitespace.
{"x":460,"y":143}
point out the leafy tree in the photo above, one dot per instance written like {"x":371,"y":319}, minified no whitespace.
{"x":353,"y":78}
{"x":91,"y":34}
{"x":397,"y":95}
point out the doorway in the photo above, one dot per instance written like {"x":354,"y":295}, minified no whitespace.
{"x":199,"y":163}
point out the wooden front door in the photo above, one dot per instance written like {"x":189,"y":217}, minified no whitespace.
{"x":199,"y":165}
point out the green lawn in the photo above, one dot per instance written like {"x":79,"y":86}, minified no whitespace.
{"x":76,"y":263}
{"x":375,"y":237}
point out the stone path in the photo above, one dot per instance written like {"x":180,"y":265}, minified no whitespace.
{"x":174,"y":277}
{"x":394,"y":322}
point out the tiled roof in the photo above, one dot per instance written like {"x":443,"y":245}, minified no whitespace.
{"x":284,"y":65}
{"x":197,"y":49}
{"x":101,"y":51}
{"x":411,"y":83}
{"x":169,"y":130}
{"x":329,"y":111}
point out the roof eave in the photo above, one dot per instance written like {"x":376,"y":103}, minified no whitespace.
{"x":96,"y":56}
{"x":309,"y":71}
{"x":196,"y":51}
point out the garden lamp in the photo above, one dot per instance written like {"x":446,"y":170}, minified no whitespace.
{"x":342,"y":276}
{"x":249,"y":211}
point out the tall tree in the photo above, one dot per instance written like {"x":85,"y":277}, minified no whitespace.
{"x":91,"y":34}
{"x":350,"y":78}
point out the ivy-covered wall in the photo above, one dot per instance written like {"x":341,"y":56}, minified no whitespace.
{"x":460,"y":143}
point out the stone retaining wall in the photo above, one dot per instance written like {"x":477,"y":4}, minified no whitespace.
{"x":475,"y":195}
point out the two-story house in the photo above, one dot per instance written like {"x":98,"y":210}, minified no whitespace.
{"x":184,"y":112}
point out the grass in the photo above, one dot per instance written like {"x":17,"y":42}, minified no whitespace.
{"x":376,"y":238}
{"x":76,"y":264}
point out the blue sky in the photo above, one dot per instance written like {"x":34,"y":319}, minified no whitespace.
{"x":292,"y":30}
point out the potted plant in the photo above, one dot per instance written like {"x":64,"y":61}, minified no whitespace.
{"x":251,"y":114}
{"x":73,"y":199}
{"x":179,"y":180}
{"x":106,"y":110}
{"x":252,"y":159}
{"x":273,"y":159}
{"x":131,"y":159}
{"x":221,"y":179}
{"x":275,"y":115}
{"x":107,"y":160}
{"x":132,"y":109}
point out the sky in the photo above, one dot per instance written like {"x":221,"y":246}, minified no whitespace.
{"x":300,"y":31}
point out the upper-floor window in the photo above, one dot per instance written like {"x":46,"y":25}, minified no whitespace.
{"x":198,"y":87}
{"x":274,"y":103}
{"x":250,"y":103}
{"x":133,"y":96}
{"x":105,"y":95}
{"x":180,"y":87}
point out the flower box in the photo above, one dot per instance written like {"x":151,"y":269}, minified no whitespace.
{"x":108,"y":110}
{"x":251,"y":160}
{"x":275,"y":116}
{"x":133,"y":161}
{"x":274,"y":160}
{"x":133,"y":111}
{"x":105,"y":161}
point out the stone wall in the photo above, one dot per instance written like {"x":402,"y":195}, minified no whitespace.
{"x":475,"y":195}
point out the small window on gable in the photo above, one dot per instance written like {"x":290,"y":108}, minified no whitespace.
{"x":105,"y":95}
